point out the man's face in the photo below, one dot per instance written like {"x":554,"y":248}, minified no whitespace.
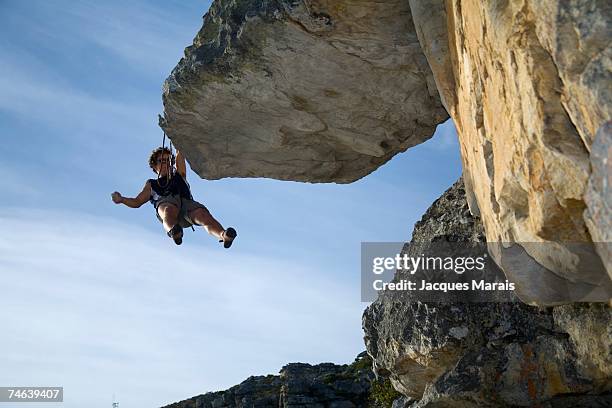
{"x":162,"y":165}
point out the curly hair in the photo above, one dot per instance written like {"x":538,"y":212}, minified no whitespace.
{"x":155,"y":154}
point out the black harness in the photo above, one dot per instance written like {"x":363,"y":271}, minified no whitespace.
{"x":174,"y":185}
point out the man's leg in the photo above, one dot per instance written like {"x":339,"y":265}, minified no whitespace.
{"x":169,"y":215}
{"x":203,"y":217}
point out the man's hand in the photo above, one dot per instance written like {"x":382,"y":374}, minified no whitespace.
{"x":181,"y":168}
{"x":136,"y":202}
{"x":117,"y":198}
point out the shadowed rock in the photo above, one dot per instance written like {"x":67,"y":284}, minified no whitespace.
{"x":598,"y":197}
{"x":301,"y":385}
{"x":500,"y":354}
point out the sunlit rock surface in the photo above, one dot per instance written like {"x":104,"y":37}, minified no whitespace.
{"x":528,"y":84}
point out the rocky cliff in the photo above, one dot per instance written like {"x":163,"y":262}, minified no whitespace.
{"x":504,"y":354}
{"x":528,"y":85}
{"x":327,"y":91}
{"x":302,"y":385}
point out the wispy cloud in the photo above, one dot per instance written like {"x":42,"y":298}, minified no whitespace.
{"x":13,"y":185}
{"x":25,"y":94}
{"x":141,"y":34}
{"x":99,"y":306}
{"x":90,"y":69}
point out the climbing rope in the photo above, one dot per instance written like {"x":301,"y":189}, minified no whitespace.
{"x":170,"y":169}
{"x":170,"y":164}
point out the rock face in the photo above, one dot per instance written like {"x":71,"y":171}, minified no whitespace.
{"x":327,"y":91}
{"x":486,"y":354}
{"x":307,"y":90}
{"x":302,"y":385}
{"x":598,"y":214}
{"x":528,"y":84}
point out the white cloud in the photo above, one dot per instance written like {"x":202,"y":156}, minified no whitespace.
{"x":103,"y":307}
{"x":142,"y":35}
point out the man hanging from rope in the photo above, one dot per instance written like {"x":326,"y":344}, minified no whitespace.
{"x":172,"y":199}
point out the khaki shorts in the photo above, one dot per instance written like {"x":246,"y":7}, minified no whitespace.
{"x":185,"y":206}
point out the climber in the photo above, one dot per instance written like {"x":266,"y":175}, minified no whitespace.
{"x":170,"y":195}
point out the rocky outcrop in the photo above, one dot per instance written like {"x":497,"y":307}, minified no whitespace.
{"x":255,"y":391}
{"x":327,"y":91}
{"x":486,"y":354}
{"x":304,"y":90}
{"x":302,"y":385}
{"x":528,"y":84}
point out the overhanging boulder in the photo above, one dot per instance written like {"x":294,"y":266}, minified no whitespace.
{"x":315,"y":91}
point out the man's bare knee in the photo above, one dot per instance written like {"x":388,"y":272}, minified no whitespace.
{"x":168,"y":210}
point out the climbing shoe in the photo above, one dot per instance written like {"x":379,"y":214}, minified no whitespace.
{"x":176,"y":233}
{"x":228,"y":237}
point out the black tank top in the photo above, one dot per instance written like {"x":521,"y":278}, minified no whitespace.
{"x":176,"y":186}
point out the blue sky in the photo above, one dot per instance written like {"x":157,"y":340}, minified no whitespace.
{"x":95,"y":297}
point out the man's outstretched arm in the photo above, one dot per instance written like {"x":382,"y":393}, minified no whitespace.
{"x":135,"y":202}
{"x":181,"y":168}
